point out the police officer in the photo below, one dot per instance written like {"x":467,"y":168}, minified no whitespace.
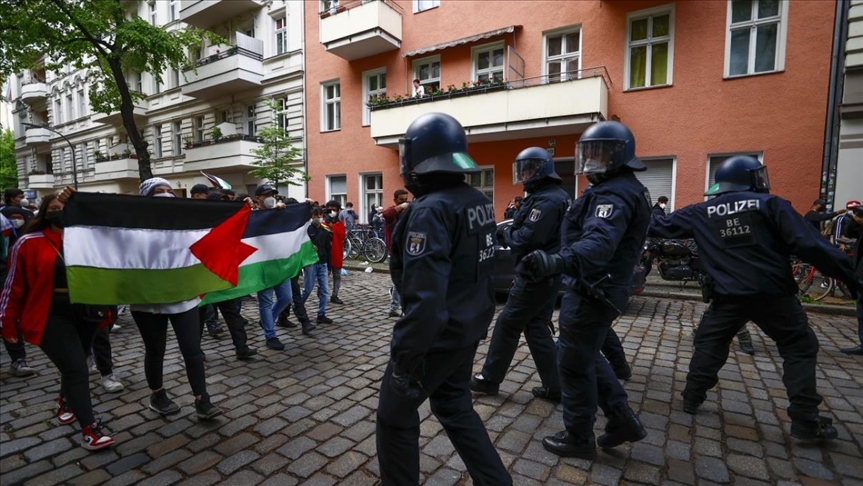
{"x":441,"y":263}
{"x":745,"y":237}
{"x":601,"y":241}
{"x":530,"y":305}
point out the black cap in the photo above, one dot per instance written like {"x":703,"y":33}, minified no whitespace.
{"x":199,"y":189}
{"x":265,"y":188}
{"x":820,"y":202}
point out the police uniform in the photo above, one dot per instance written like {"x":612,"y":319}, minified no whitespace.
{"x":442,"y":262}
{"x":745,"y":240}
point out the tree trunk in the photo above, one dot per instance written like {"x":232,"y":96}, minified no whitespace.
{"x":127,"y":109}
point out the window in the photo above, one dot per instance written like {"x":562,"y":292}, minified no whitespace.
{"x":374,"y":84}
{"x":562,"y":54}
{"x":138,"y":82}
{"x":157,"y":84}
{"x":282,"y":113}
{"x":373,"y":191}
{"x":198,"y":129}
{"x":659,"y":179}
{"x":175,"y":78}
{"x":713,"y":162}
{"x":428,"y":72}
{"x":151,"y":8}
{"x":482,"y":180}
{"x":281,"y":36}
{"x":82,"y":154}
{"x":251,"y":121}
{"x":157,"y":141}
{"x":332,"y":116}
{"x":337,"y":188}
{"x":488,"y":63}
{"x":175,"y":10}
{"x":70,"y":108}
{"x":178,"y":138}
{"x":755,"y":39}
{"x":422,"y":5}
{"x":650,"y":48}
{"x":82,"y":103}
{"x":58,"y":112}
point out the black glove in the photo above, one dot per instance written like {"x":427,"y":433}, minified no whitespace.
{"x":501,"y":237}
{"x":538,"y":265}
{"x":404,"y":385}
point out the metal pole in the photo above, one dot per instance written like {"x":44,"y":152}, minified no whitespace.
{"x":72,"y":147}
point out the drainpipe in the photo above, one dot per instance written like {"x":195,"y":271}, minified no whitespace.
{"x":834,"y":99}
{"x":305,"y":102}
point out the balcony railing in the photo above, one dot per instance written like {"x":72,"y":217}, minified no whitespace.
{"x":544,"y":105}
{"x":34,"y":92}
{"x":207,"y":13}
{"x":227,"y":152}
{"x":235,"y":69}
{"x":361,"y":28}
{"x":37,"y":136}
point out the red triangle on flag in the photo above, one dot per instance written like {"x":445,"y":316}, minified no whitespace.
{"x":222,"y":250}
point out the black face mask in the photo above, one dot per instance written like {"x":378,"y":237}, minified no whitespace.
{"x":55,"y":218}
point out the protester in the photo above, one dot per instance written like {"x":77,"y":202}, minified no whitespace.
{"x":349,"y":216}
{"x":322,"y":238}
{"x":269,"y":309}
{"x":16,"y":350}
{"x":103,"y":360}
{"x":391,"y":217}
{"x":337,"y":228}
{"x":199,"y":191}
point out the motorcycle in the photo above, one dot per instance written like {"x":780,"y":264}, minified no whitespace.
{"x":677,"y":260}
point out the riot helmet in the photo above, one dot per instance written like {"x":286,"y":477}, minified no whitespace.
{"x":604,"y":148}
{"x":435,"y":143}
{"x":532,"y":165}
{"x":740,"y":173}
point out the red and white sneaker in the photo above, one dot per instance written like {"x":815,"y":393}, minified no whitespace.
{"x":93,"y":439}
{"x":65,"y":415}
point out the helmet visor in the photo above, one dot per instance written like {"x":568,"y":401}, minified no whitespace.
{"x":404,"y":156}
{"x":760,"y":181}
{"x":526,"y":170}
{"x":598,"y":156}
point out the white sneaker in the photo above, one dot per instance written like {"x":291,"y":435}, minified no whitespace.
{"x":116,"y":327}
{"x":122,"y":309}
{"x":91,"y":365}
{"x":112,"y":384}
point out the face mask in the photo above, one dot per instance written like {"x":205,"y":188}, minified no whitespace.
{"x":24,"y":203}
{"x":333,"y":214}
{"x":17,"y":223}
{"x":55,"y":218}
{"x":270,"y":202}
{"x":163,"y":194}
{"x":317,"y":221}
{"x":662,"y":205}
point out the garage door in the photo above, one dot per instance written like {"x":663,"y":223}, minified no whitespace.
{"x":659,"y":180}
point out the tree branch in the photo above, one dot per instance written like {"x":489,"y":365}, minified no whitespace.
{"x":87,"y":36}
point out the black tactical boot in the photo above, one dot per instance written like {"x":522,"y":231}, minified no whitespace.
{"x":813,"y":427}
{"x":691,"y":403}
{"x":565,"y":445}
{"x":744,"y":342}
{"x":479,"y":384}
{"x":624,"y":426}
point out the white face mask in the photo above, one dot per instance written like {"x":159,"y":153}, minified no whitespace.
{"x":662,"y":205}
{"x":163,"y":194}
{"x":333,"y":214}
{"x":17,"y":223}
{"x":317,"y":221}
{"x":24,"y":203}
{"x":270,"y":202}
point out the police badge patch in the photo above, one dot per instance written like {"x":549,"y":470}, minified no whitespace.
{"x":604,"y":210}
{"x":534,"y":215}
{"x":416,"y":243}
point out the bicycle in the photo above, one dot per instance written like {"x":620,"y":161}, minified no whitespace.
{"x":361,"y":242}
{"x":817,"y":286}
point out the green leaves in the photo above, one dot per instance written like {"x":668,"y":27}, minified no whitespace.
{"x":8,"y":167}
{"x":276,"y":156}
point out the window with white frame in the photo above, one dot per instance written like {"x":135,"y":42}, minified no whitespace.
{"x":138,"y":82}
{"x":422,"y":5}
{"x":281,"y":113}
{"x":483,"y":180}
{"x":178,"y":138}
{"x":332,"y":109}
{"x":157,"y":141}
{"x":650,"y":47}
{"x":373,"y":191}
{"x":338,"y":189}
{"x":83,"y":155}
{"x":562,"y":50}
{"x":488,"y":62}
{"x":175,"y":78}
{"x":251,"y":121}
{"x":82,"y":102}
{"x":659,"y":179}
{"x":58,"y":111}
{"x":70,"y":108}
{"x":175,"y":10}
{"x":157,"y":84}
{"x":198,"y":129}
{"x":374,"y":84}
{"x":755,"y":39}
{"x":281,"y":35}
{"x":151,"y":8}
{"x":713,"y":161}
{"x":428,"y":72}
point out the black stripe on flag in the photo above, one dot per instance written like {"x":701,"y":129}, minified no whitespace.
{"x":138,"y":212}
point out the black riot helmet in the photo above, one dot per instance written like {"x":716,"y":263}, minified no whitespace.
{"x":740,"y":173}
{"x":532,"y":165}
{"x":605,"y":147}
{"x":435,"y":143}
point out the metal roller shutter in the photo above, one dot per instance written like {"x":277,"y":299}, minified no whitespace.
{"x":659,"y":180}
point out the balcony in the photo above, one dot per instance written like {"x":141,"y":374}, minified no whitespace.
{"x":236,"y":69}
{"x":231,"y":152}
{"x":37,"y":137}
{"x":362,"y":28}
{"x":207,"y":13}
{"x":532,"y":107}
{"x":139,"y":111}
{"x":34,"y":93}
{"x":107,"y":170}
{"x":40,"y":181}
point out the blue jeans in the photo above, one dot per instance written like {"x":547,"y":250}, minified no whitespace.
{"x":317,"y":272}
{"x":270,"y":310}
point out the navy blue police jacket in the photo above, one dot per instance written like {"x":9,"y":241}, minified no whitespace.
{"x":441,"y":263}
{"x":745,"y":241}
{"x":603,"y":234}
{"x":536,"y":225}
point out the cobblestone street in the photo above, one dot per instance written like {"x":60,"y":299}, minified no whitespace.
{"x":306,"y":415}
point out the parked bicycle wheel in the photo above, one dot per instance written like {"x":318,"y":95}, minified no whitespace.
{"x":346,"y":252}
{"x":801,"y":272}
{"x":818,"y":287}
{"x":375,"y":250}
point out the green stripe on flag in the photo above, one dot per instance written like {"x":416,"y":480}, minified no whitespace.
{"x":266,"y":274}
{"x":109,"y":286}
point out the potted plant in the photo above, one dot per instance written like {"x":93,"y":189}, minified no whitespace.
{"x":216,"y":134}
{"x":126,"y":153}
{"x":98,"y":156}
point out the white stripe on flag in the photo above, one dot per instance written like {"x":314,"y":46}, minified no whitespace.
{"x":125,"y":248}
{"x":276,"y":247}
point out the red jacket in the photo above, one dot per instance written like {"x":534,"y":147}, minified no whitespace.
{"x":29,"y":286}
{"x":338,"y":248}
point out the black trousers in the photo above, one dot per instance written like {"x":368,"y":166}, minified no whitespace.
{"x":298,"y":305}
{"x":784,"y":321}
{"x":235,"y":322}
{"x":612,"y":349}
{"x":528,"y":310}
{"x":16,"y":350}
{"x":66,"y":341}
{"x":102,"y":350}
{"x":398,"y":425}
{"x":154,"y":333}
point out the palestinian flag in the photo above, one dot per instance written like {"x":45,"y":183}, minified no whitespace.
{"x":217,"y":181}
{"x":282,"y":248}
{"x":148,"y":250}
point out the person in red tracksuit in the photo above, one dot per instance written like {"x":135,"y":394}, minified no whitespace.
{"x":35,"y":303}
{"x":337,"y":227}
